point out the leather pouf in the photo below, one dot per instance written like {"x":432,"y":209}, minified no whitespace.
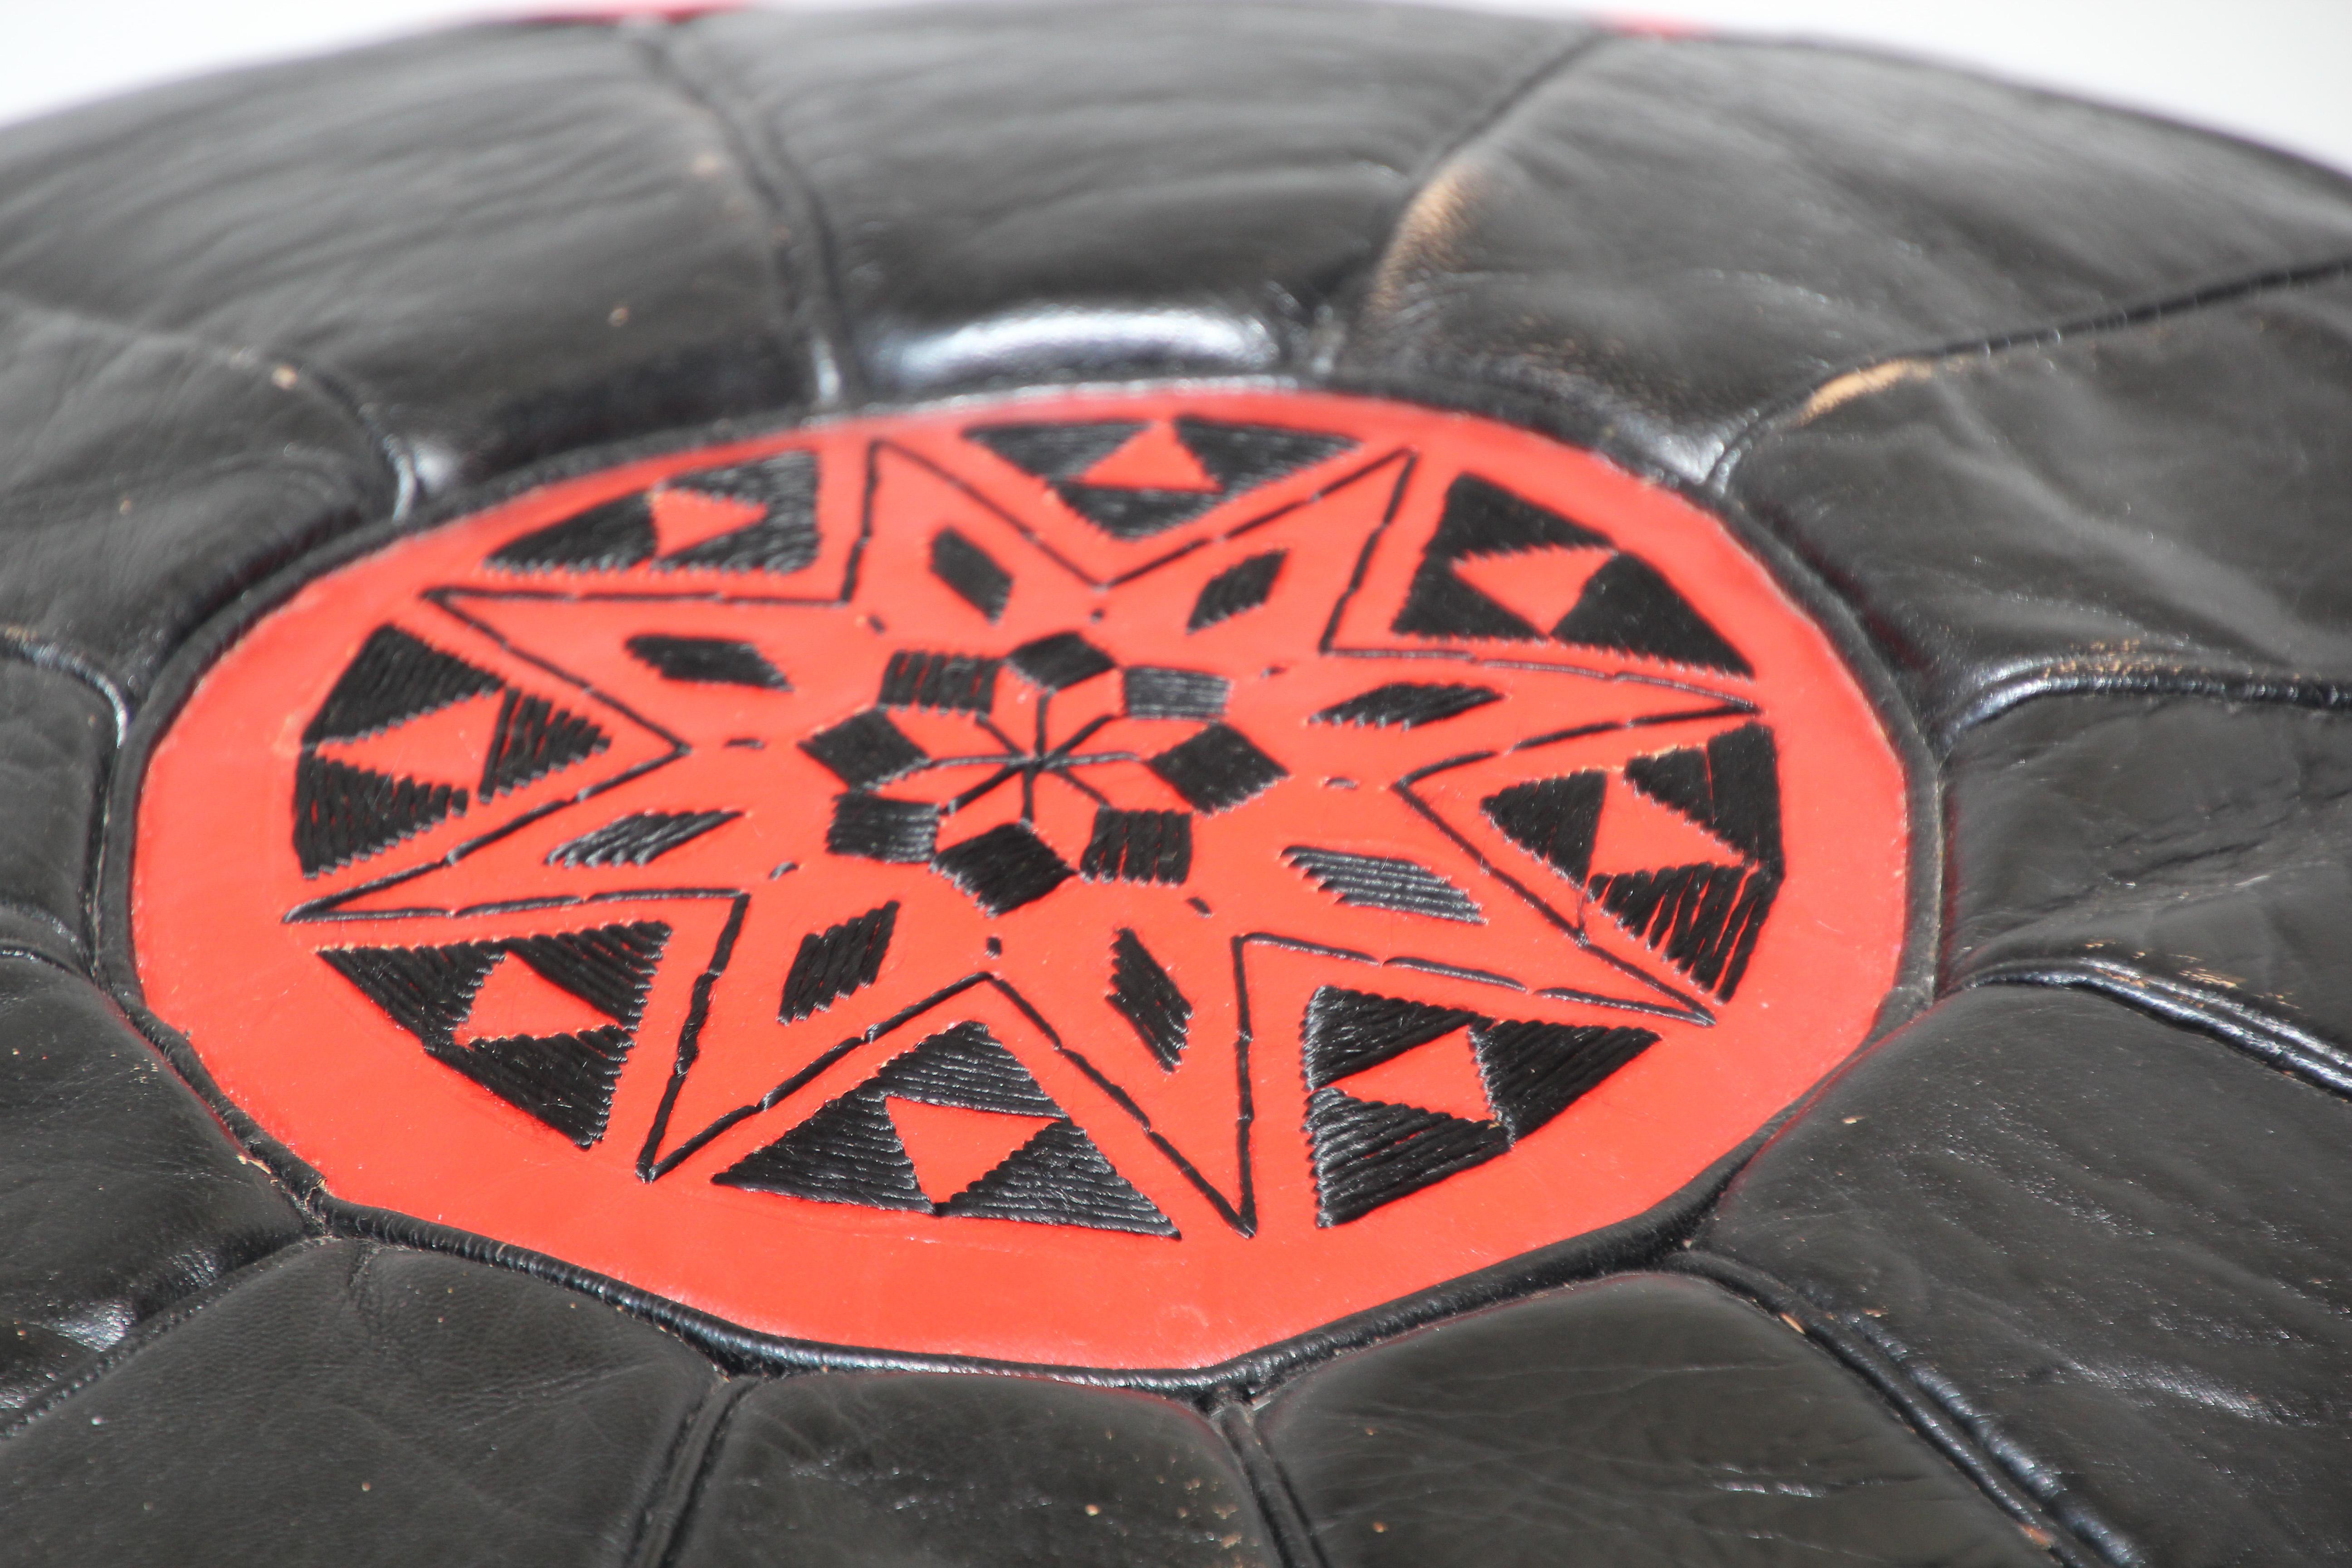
{"x":1311,"y":786}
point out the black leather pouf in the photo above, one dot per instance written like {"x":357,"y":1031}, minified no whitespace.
{"x":1256,"y":785}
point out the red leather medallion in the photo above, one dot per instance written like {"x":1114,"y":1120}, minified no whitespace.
{"x":1110,"y":879}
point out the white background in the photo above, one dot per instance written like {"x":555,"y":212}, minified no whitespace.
{"x":2277,"y":71}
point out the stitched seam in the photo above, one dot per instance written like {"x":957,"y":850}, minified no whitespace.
{"x":1287,"y":1529}
{"x":1765,"y":420}
{"x":791,"y":198}
{"x":1341,"y":322}
{"x":151,"y":1328}
{"x":660,"y":1531}
{"x":11,"y":904}
{"x":2272,"y":1041}
{"x":2061,"y":678}
{"x":2021,"y":1485}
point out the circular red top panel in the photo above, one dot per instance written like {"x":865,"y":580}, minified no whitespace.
{"x":1112,"y":879}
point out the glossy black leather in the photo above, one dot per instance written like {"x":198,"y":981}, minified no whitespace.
{"x":2041,"y":399}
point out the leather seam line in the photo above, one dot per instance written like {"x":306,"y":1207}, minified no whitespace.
{"x":43,"y":654}
{"x":1287,"y":1528}
{"x":792,"y":208}
{"x":1772,"y":416}
{"x":660,"y":1531}
{"x":2000,"y":1467}
{"x":2273,"y":1042}
{"x":1337,"y":330}
{"x":17,"y":950}
{"x":2078,"y":677}
{"x":151,"y":1329}
{"x":11,"y":904}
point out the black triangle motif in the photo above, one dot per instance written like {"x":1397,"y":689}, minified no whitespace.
{"x":563,"y":1081}
{"x":848,"y":1152}
{"x":1533,"y":1071}
{"x":1004,"y":869}
{"x":1630,"y":607}
{"x":1481,"y":518}
{"x":1732,"y":788}
{"x":393,"y":679}
{"x":1244,"y":456}
{"x":427,"y":991}
{"x":607,"y":538}
{"x":785,"y":539}
{"x":1346,"y":1031}
{"x":1055,"y":451}
{"x":1059,"y":1177}
{"x":963,"y":1067}
{"x":1367,"y":1153}
{"x":535,"y":738}
{"x":1555,"y":820}
{"x":343,"y":813}
{"x":1128,"y":515}
{"x":1704,"y":918}
{"x":608,"y":967}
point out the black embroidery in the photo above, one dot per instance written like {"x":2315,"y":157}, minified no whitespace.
{"x":1059,"y":1177}
{"x":1533,"y":1071}
{"x":1244,"y":456}
{"x":1148,"y":998}
{"x":972,"y":571}
{"x":1055,"y":451}
{"x":1218,"y":769}
{"x":1139,"y":847}
{"x":1152,"y":693}
{"x":1629,"y":607}
{"x":865,"y":750}
{"x":872,"y":827}
{"x":343,"y":813}
{"x":849,"y":1151}
{"x":783,"y":540}
{"x":1346,"y":1031}
{"x":1243,"y":586}
{"x":565,"y":1081}
{"x":1368,"y":1153}
{"x":534,"y":738}
{"x":708,"y":661}
{"x":1732,"y":788}
{"x":637,"y":840}
{"x":1128,"y":515}
{"x":947,"y":682}
{"x":1704,"y":919}
{"x":393,"y":679}
{"x":1554,"y":820}
{"x":607,"y":538}
{"x":1481,"y":519}
{"x":1406,"y":704}
{"x":835,"y":962}
{"x":1379,"y":882}
{"x":1004,"y":867}
{"x":1060,"y":661}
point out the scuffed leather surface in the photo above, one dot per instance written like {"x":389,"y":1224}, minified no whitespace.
{"x":1649,"y":1420}
{"x":2201,"y":842}
{"x":851,"y":1471}
{"x":2174,"y":495}
{"x":363,"y":1405}
{"x":1051,"y":193}
{"x":118,"y":1197}
{"x":2097,"y":441}
{"x":2115,"y":1248}
{"x":56,"y":736}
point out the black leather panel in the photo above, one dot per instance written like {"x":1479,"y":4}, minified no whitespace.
{"x":360,"y":1405}
{"x":2116,"y":1249}
{"x":863,"y":1471}
{"x":1651,"y":1420}
{"x":1675,"y":233}
{"x":2174,"y":495}
{"x":2196,"y":840}
{"x":507,"y":241}
{"x":56,"y":735}
{"x":118,"y":1197}
{"x":144,"y":480}
{"x":1051,"y":193}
